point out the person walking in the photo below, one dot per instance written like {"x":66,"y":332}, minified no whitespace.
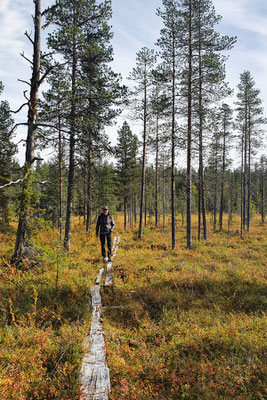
{"x":105,"y":224}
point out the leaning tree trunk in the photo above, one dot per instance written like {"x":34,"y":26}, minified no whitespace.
{"x":72,"y":142}
{"x":23,"y":232}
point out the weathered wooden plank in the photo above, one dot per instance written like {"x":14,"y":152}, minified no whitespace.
{"x":98,"y":279}
{"x":94,"y":376}
{"x":108,"y":280}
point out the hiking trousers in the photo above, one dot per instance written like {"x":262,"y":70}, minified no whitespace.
{"x":103,"y":238}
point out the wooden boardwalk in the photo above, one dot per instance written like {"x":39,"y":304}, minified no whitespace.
{"x":94,"y":377}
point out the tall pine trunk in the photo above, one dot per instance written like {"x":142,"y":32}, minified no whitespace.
{"x":201,"y":120}
{"x":125,"y":211}
{"x":60,"y":169}
{"x":189,"y":134}
{"x":215,"y":200}
{"x":157,"y":172}
{"x":241,"y":186}
{"x":173,"y":149}
{"x":262,"y":189}
{"x":140,"y":231}
{"x":245,"y":165}
{"x":72,"y":139}
{"x":89,"y":185}
{"x":222,"y":178}
{"x":164,"y":197}
{"x":199,"y":206}
{"x":248,"y":171}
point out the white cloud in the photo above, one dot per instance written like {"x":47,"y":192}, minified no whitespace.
{"x":135,"y":25}
{"x":243,"y":14}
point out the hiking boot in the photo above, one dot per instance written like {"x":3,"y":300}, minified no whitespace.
{"x":109,"y":259}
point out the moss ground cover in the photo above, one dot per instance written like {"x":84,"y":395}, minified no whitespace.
{"x":182,"y":324}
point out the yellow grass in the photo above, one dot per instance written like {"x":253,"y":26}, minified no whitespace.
{"x":191,"y":323}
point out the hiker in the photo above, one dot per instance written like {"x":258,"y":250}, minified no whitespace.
{"x":105,"y":224}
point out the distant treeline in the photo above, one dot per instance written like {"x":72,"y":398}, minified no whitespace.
{"x":179,"y":94}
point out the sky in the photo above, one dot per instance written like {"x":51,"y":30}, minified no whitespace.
{"x":135,"y":25}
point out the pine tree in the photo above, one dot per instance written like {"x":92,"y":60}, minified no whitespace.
{"x":126,"y":154}
{"x":101,"y":96}
{"x":210,"y":79}
{"x":262,"y":187}
{"x":159,"y":108}
{"x":249,"y":122}
{"x":54,"y":110}
{"x":142,"y":75}
{"x":170,"y":46}
{"x":226,"y":120}
{"x":74,"y":20}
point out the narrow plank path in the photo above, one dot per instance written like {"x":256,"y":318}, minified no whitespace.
{"x":94,"y":377}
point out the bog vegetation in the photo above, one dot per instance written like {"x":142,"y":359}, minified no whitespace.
{"x":181,"y":324}
{"x":185,"y":317}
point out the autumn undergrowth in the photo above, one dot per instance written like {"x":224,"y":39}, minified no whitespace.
{"x":179,"y":324}
{"x":188,"y":324}
{"x":45,"y":315}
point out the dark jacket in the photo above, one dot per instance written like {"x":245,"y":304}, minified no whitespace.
{"x":105,"y":223}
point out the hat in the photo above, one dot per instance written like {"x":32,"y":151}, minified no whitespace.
{"x":105,"y":208}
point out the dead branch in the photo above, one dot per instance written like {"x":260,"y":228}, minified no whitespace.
{"x":47,"y":54}
{"x":28,"y":36}
{"x":22,"y":140}
{"x":45,"y":75}
{"x":36,"y":159}
{"x":27,"y":59}
{"x":24,"y":94}
{"x":23,"y":105}
{"x":27,"y":83}
{"x":51,"y":126}
{"x":22,"y":179}
{"x":15,"y":126}
{"x":12,"y":183}
{"x":44,"y":182}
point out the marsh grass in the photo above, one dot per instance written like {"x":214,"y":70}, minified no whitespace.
{"x":190,"y":323}
{"x":44,"y":320}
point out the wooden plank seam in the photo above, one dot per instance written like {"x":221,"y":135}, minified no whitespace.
{"x":94,"y":376}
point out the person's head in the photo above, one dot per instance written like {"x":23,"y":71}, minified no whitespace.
{"x":105,"y":210}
